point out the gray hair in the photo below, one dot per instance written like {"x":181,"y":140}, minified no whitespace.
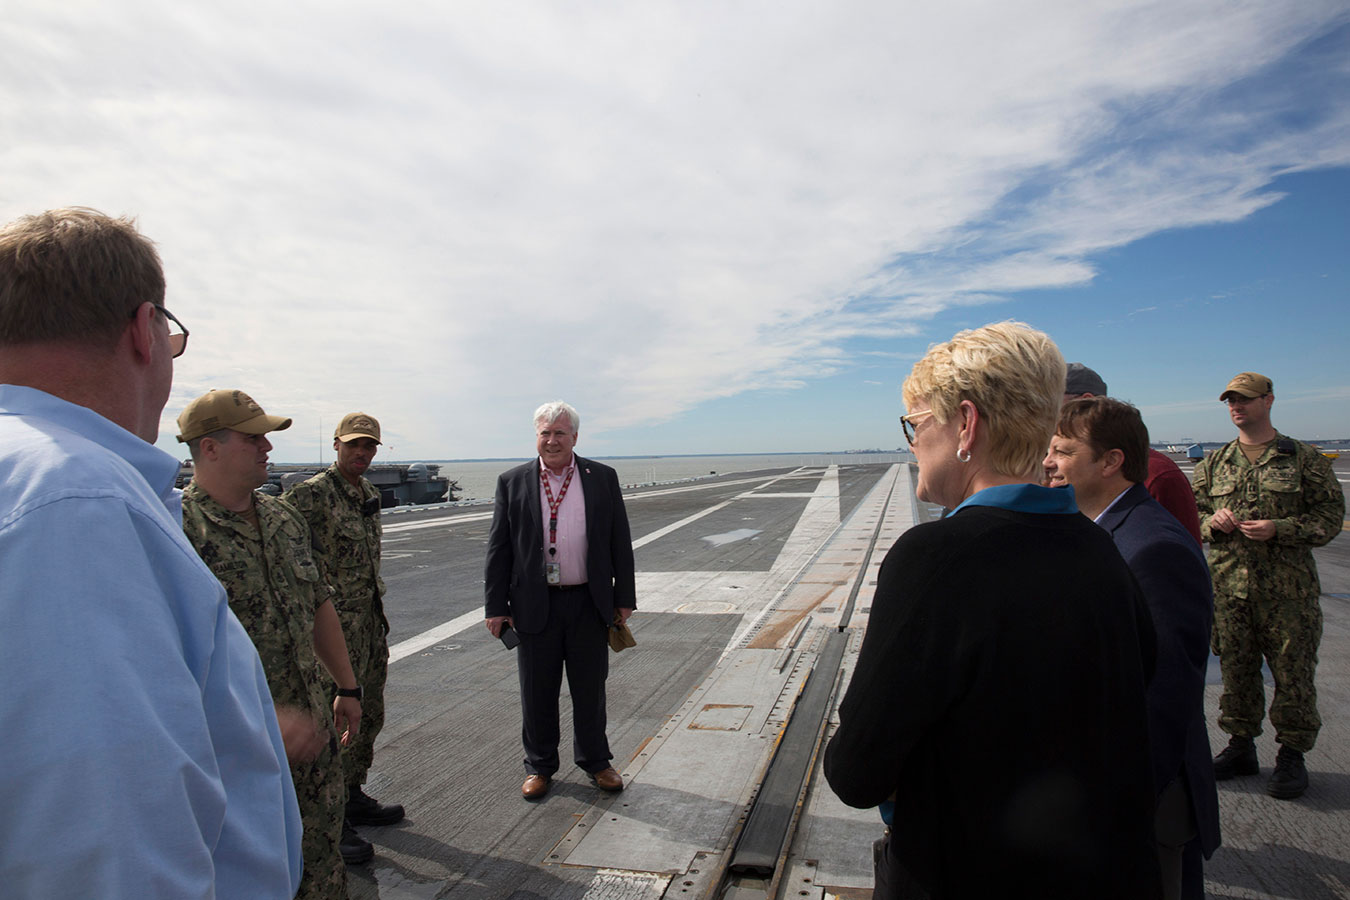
{"x":553,"y":411}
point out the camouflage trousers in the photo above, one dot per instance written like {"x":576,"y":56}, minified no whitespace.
{"x":1285,"y":631}
{"x":368,"y":648}
{"x":322,"y":796}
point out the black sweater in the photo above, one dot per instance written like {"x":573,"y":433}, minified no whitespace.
{"x":1000,"y":695}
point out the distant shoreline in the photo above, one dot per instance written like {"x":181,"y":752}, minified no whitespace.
{"x":1342,"y":444}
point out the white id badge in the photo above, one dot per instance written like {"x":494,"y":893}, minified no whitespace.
{"x":553,"y":573}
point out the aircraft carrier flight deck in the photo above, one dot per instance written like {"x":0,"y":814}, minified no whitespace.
{"x":753,"y":594}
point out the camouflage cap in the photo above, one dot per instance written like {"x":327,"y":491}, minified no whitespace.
{"x":1248,"y":384}
{"x":357,"y":425}
{"x":219,"y":409}
{"x":1079,"y":379}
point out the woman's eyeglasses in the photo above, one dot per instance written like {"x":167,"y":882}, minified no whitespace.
{"x":907,"y":424}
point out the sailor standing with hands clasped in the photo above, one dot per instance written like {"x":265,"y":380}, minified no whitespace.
{"x":1265,"y":501}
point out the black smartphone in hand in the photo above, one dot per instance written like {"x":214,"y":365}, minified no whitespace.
{"x":510,"y":640}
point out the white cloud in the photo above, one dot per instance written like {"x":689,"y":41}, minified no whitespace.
{"x":446,"y":213}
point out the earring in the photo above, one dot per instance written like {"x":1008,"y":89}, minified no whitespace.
{"x":964,"y":458}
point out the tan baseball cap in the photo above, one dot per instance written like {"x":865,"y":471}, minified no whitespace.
{"x":234,"y":410}
{"x":1248,"y":384}
{"x":357,"y":425}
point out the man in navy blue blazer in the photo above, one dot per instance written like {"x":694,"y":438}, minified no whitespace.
{"x":559,"y":573}
{"x":1100,"y":450}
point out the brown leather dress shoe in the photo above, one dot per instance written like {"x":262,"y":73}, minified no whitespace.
{"x":607,"y":780}
{"x":534,"y":787}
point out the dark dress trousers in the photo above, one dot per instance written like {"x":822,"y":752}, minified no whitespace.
{"x":560,"y":628}
{"x":1174,"y":577}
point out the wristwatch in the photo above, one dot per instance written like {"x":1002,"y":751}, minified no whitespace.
{"x":350,"y":692}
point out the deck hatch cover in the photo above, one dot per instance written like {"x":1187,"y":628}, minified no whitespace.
{"x":721,"y":717}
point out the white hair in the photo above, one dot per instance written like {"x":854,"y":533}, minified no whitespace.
{"x":553,"y":411}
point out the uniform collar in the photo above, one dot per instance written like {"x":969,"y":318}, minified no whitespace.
{"x":214,"y":510}
{"x":357,"y":492}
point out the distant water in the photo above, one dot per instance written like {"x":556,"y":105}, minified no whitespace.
{"x":478,"y":478}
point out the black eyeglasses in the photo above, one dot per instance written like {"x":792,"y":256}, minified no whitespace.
{"x":177,"y":339}
{"x":907,"y":424}
{"x":1239,"y":400}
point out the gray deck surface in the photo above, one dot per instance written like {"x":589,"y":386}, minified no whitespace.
{"x":733,"y":603}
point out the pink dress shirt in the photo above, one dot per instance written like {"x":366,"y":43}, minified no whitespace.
{"x":571,"y":544}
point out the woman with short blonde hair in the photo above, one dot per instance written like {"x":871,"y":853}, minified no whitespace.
{"x":1010,"y":372}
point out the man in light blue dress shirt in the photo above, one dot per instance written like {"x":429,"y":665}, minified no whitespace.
{"x":141,"y":754}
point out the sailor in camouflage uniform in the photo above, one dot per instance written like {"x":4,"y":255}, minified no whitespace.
{"x":259,"y":548}
{"x":343,"y":511}
{"x":1265,"y":501}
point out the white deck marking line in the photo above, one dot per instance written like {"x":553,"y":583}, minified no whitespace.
{"x":435,"y":635}
{"x":673,"y":526}
{"x":443,"y":522}
{"x":703,"y":486}
{"x":432,"y":636}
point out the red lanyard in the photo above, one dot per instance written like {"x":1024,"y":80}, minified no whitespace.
{"x":554,"y":504}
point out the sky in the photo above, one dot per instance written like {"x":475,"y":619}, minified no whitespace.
{"x":712,"y":227}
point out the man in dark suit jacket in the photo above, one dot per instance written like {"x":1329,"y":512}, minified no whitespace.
{"x":1101,"y":449}
{"x":560,"y":572}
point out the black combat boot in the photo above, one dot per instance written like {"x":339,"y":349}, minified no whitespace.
{"x":354,"y":848}
{"x":1238,"y":758}
{"x":1290,"y":779}
{"x":365,"y":810}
